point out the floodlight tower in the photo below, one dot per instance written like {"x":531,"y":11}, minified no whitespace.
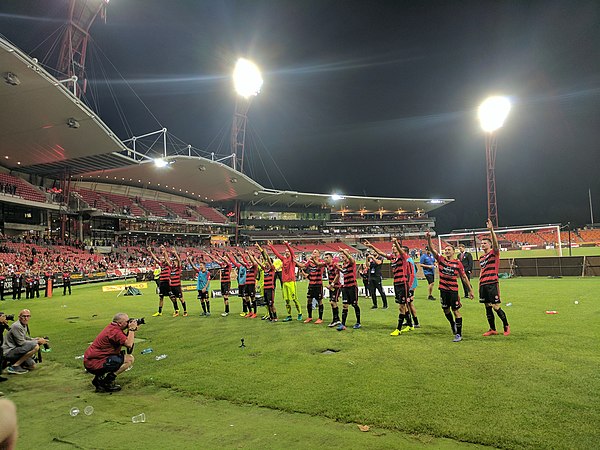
{"x":247,"y":81}
{"x":492,"y":113}
{"x":71,"y":60}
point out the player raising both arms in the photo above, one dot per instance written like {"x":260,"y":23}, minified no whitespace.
{"x":288,"y":275}
{"x":314,"y":267}
{"x":489,"y":291}
{"x":175,"y":284}
{"x":349,"y":289}
{"x":202,"y":284}
{"x":163,"y":281}
{"x":334,"y":287}
{"x":225,"y":267}
{"x":268,"y":282}
{"x":450,"y":269}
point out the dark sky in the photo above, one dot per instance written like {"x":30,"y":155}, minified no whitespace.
{"x":364,"y":97}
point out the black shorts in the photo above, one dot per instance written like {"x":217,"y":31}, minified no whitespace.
{"x":450,"y":299}
{"x":241,"y":290}
{"x":315,"y":291}
{"x":489,"y":293}
{"x":334,"y":294}
{"x":401,"y":293}
{"x":164,"y":289}
{"x":250,"y":290}
{"x":225,"y":286}
{"x":113,"y":363}
{"x":269,"y":296}
{"x":350,"y":295}
{"x":430,"y":277}
{"x":176,"y":292}
{"x":203,"y":295}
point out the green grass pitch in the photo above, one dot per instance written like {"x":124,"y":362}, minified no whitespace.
{"x":537,"y":388}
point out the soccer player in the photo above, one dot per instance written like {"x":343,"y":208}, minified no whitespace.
{"x":202,"y":285}
{"x":349,"y":289}
{"x":225,"y":275}
{"x":427,"y":262}
{"x":450,"y":269}
{"x":176,"y":293}
{"x":163,"y":280}
{"x":314,"y":267}
{"x":244,"y":280}
{"x":412,"y":311}
{"x":288,"y":275}
{"x":489,"y":291}
{"x":334,"y":287}
{"x":269,"y":271}
{"x":402,"y":281}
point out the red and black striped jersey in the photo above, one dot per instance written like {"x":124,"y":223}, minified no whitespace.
{"x":400,"y":268}
{"x":315,"y":272}
{"x":332,"y":271}
{"x":489,"y":263}
{"x":348,"y":271}
{"x":250,"y":273}
{"x":175,"y":276}
{"x":269,"y":277}
{"x":165,"y":272}
{"x":449,"y":271}
{"x":225,"y":273}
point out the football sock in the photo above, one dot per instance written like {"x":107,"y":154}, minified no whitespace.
{"x":344,"y":316}
{"x":357,"y":313}
{"x":227,"y":306}
{"x":400,"y":320}
{"x":489,"y":312}
{"x":450,"y":319}
{"x":184,"y":306}
{"x":502,"y":316}
{"x":408,"y":319}
{"x":207,"y":306}
{"x":160,"y":309}
{"x":459,"y":325}
{"x":321,"y":312}
{"x":309,"y":308}
{"x":415,"y":320}
{"x":254,"y":306}
{"x":203,"y":306}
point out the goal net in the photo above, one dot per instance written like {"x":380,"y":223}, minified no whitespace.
{"x":537,"y":239}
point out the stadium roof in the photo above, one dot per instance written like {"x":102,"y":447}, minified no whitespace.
{"x":48,"y":131}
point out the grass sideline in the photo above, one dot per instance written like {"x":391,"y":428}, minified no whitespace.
{"x":415,"y":391}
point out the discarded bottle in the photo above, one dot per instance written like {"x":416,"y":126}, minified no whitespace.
{"x":509,"y":304}
{"x":551,"y":312}
{"x":147,"y":350}
{"x":74,"y":411}
{"x":88,"y":410}
{"x":79,"y":357}
{"x":140,"y":418}
{"x":159,"y":357}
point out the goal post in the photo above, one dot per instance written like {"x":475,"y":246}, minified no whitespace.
{"x":539,"y":237}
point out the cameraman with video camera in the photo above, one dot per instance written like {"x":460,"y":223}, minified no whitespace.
{"x":104,"y":357}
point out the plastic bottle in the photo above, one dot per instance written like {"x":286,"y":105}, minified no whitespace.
{"x":551,"y":312}
{"x":147,"y":350}
{"x":79,"y":357}
{"x":159,"y":357}
{"x":88,"y":410}
{"x":509,"y":304}
{"x":74,"y":411}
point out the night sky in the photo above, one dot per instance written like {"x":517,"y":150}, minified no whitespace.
{"x":364,"y":98}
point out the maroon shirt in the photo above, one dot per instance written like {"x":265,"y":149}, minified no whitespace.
{"x":107,"y":343}
{"x":449,"y":271}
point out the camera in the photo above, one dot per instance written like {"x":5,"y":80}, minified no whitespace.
{"x":140,"y":321}
{"x":8,"y":316}
{"x":46,"y":345}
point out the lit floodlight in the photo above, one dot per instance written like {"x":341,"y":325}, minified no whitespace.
{"x":247,"y":79}
{"x":336,"y":197}
{"x":159,"y":162}
{"x":493,"y":112}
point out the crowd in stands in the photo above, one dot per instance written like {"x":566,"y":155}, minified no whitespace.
{"x":8,"y":188}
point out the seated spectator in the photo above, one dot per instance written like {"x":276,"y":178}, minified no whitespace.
{"x":104,"y":357}
{"x":19,"y":348}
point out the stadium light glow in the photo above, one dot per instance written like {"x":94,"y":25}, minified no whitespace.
{"x":247,"y":78}
{"x":336,"y":197}
{"x":159,"y":162}
{"x":493,"y":112}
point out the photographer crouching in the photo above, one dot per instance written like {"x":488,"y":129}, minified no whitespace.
{"x":104,"y":357}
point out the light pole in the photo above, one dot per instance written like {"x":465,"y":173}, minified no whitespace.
{"x":492,"y":113}
{"x":247,"y":81}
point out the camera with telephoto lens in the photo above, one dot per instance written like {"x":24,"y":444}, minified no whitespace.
{"x":140,"y":321}
{"x":8,"y":316}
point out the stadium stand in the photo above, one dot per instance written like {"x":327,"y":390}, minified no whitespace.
{"x":23,"y":188}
